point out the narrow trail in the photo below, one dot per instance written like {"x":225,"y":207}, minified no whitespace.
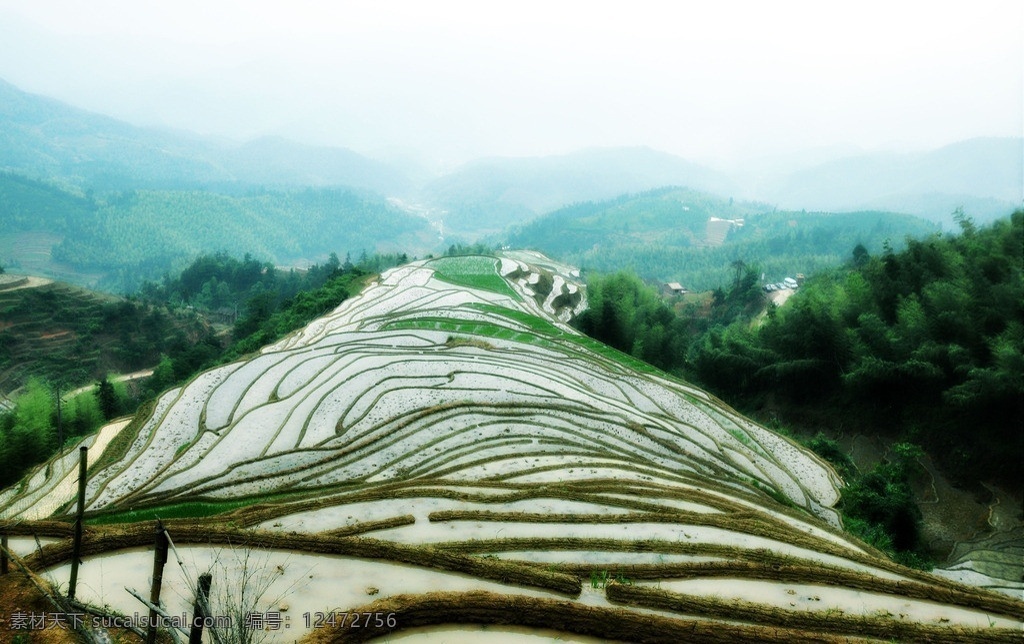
{"x":778,"y":298}
{"x":125,"y":377}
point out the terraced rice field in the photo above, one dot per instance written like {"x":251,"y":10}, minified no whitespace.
{"x":445,"y":450}
{"x":43,"y":324}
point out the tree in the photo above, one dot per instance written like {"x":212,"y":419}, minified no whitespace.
{"x":29,"y":431}
{"x":811,"y":343}
{"x":34,"y":408}
{"x":883,"y":498}
{"x":738,"y":265}
{"x":163,"y":374}
{"x":333,"y":264}
{"x":860,"y":255}
{"x":82,"y":414}
{"x":729,"y":360}
{"x":107,"y":397}
{"x":630,"y":316}
{"x":965,"y":221}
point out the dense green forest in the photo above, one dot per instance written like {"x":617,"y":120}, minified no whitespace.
{"x":255,"y":302}
{"x":624,"y":313}
{"x":663,"y":235}
{"x":32,"y":205}
{"x":213,"y":282}
{"x":134,"y":226}
{"x":126,"y":238}
{"x":35,"y":426}
{"x":925,"y":345}
{"x":634,"y":317}
{"x":70,"y":336}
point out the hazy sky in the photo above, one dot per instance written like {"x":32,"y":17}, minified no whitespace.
{"x":450,"y":80}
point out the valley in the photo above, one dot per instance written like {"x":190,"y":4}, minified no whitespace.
{"x":444,"y":439}
{"x":516,"y":398}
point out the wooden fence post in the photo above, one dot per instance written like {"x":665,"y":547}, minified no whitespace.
{"x":83,"y":459}
{"x":195,"y":635}
{"x":3,"y":554}
{"x":159,"y":559}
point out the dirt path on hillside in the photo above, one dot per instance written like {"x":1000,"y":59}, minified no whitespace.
{"x":779,"y":297}
{"x":145,"y":373}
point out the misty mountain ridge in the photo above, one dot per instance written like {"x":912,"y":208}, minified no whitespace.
{"x":524,"y":187}
{"x":45,"y":138}
{"x":985,"y":176}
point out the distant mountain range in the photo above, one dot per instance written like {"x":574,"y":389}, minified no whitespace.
{"x":985,"y":176}
{"x":48,"y":139}
{"x":207,"y":194}
{"x":45,"y":139}
{"x":490,"y":194}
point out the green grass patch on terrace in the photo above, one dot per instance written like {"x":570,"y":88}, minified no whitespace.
{"x":544,"y":333}
{"x":474,"y":271}
{"x":483,"y":329}
{"x":191,"y":510}
{"x":199,"y":509}
{"x":538,"y":325}
{"x":544,"y":327}
{"x":614,"y":354}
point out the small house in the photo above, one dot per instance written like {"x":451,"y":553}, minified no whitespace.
{"x":675,"y":288}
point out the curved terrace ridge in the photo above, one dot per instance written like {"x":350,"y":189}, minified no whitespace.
{"x":446,"y":442}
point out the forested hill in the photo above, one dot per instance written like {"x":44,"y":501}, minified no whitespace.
{"x":123,"y":238}
{"x":27,"y":204}
{"x":663,"y":235}
{"x":925,"y":344}
{"x":488,"y":195}
{"x":137,"y":227}
{"x":918,"y":348}
{"x":46,"y":138}
{"x":69,"y":336}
